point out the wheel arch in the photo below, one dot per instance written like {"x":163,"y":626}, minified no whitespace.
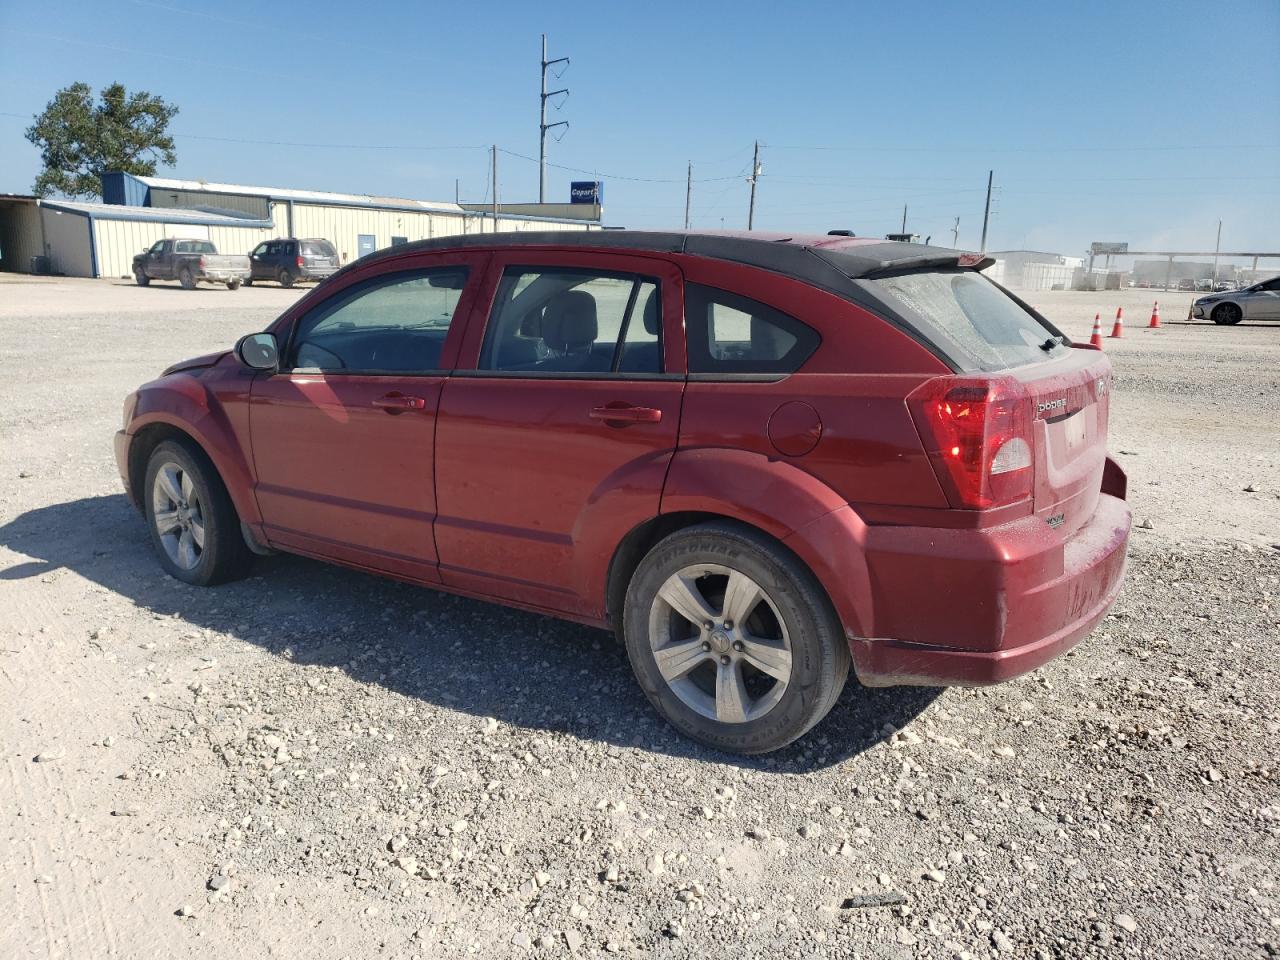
{"x":215,"y":444}
{"x":772,"y":498}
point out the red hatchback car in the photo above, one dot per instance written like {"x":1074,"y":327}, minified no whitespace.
{"x":762,"y":459}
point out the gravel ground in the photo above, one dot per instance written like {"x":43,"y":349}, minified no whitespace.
{"x":318,"y":763}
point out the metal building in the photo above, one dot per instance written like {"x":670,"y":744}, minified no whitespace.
{"x":100,"y":239}
{"x":1033,"y":269}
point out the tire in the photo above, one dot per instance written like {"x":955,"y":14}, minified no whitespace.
{"x":248,"y":281}
{"x":187,"y":279}
{"x":285,"y":278}
{"x":1227,"y":314}
{"x":233,"y":284}
{"x":193,"y":524}
{"x":724,"y":700}
{"x":142,"y":279}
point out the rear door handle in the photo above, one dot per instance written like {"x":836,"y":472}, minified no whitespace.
{"x":626,"y":414}
{"x":399,"y":403}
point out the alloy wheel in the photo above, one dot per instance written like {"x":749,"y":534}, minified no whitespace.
{"x":720,"y":643}
{"x":178,"y":515}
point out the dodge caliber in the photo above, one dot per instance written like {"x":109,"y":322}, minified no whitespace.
{"x":762,"y":460}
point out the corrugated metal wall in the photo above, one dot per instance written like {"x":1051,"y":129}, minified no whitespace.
{"x":19,"y":236}
{"x":118,"y":240}
{"x":255,"y":207}
{"x":343,"y":225}
{"x":68,"y":237}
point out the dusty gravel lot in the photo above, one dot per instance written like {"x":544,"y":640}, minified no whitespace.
{"x":316,"y":763}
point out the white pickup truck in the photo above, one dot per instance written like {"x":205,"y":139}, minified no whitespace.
{"x":189,"y":262}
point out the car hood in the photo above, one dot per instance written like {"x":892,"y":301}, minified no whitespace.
{"x":196,"y":363}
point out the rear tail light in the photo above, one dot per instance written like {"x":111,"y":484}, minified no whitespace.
{"x":299,"y":261}
{"x":203,"y":263}
{"x":977,"y":433}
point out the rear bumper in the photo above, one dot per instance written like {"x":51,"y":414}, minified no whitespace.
{"x":316,"y":273}
{"x":216,"y":275}
{"x":976,"y":607}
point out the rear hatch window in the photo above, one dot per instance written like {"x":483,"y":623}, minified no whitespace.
{"x":974,"y":322}
{"x":318,"y":248}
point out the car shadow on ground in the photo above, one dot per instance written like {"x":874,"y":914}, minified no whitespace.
{"x":524,"y":669}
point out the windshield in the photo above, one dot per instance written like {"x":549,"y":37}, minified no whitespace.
{"x":980,"y":323}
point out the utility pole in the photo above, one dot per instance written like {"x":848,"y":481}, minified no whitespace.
{"x":495,"y":188}
{"x":688,"y":195}
{"x":755,"y":175}
{"x":1216,"y":247}
{"x":986,"y":214}
{"x":457,"y":190}
{"x":543,"y":126}
{"x":904,"y":218}
{"x":955,"y":234}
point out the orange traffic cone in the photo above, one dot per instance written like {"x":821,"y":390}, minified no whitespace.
{"x":1117,"y":329}
{"x":1155,"y":316}
{"x":1095,"y":338}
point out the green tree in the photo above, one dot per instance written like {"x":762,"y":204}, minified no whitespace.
{"x":79,"y":140}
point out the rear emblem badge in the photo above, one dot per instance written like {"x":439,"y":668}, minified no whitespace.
{"x":1056,"y":520}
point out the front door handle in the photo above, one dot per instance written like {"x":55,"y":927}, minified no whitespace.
{"x":625,"y":413}
{"x":399,"y":403}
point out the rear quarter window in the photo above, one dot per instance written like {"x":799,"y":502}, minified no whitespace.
{"x":731,"y":334}
{"x":971,"y":316}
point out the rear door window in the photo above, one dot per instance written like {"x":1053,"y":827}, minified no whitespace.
{"x":552,"y":321}
{"x":732,"y":334}
{"x":979,"y":323}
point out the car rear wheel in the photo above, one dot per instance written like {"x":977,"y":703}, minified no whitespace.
{"x":187,"y":279}
{"x":1226,"y":314}
{"x":194,"y":526}
{"x":285,"y":278}
{"x":233,"y":284}
{"x":732,"y":639}
{"x":141,"y":277}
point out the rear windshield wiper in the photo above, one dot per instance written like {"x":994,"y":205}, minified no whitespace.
{"x":1053,"y":342}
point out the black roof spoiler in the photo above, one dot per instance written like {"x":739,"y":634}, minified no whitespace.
{"x":873,"y":260}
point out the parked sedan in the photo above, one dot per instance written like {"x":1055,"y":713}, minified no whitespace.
{"x":764,"y":461}
{"x":1261,"y":301}
{"x":290,"y":261}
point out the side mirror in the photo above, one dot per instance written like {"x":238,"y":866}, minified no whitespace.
{"x":258,"y":351}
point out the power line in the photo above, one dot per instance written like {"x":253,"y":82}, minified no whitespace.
{"x":880,"y":148}
{"x":332,"y":146}
{"x":613,"y":176}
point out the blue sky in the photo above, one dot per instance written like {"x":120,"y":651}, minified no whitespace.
{"x":1137,"y":121}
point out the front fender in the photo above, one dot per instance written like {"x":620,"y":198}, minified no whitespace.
{"x":184,"y":402}
{"x":793,"y":506}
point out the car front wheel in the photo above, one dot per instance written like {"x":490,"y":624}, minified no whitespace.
{"x":141,"y":277}
{"x":1226,"y":314}
{"x":732,"y":639}
{"x":194,"y":526}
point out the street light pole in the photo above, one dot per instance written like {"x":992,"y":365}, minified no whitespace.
{"x":1217,"y":245}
